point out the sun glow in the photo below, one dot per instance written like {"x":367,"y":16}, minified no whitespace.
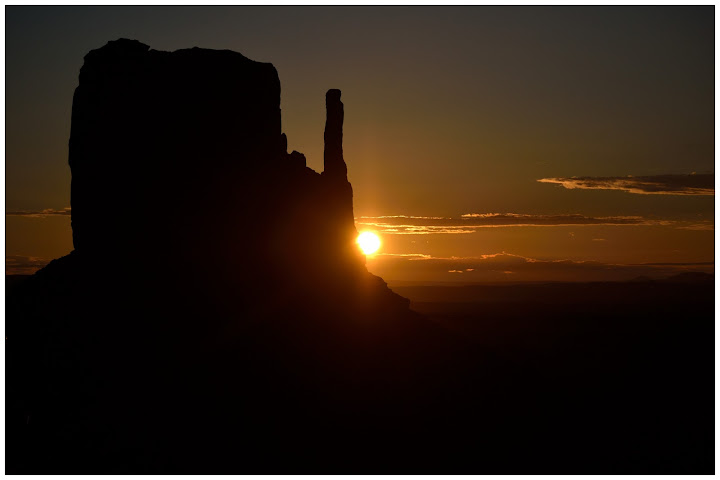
{"x":369,"y":242}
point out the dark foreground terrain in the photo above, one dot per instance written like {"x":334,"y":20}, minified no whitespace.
{"x":598,"y":377}
{"x":547,"y":378}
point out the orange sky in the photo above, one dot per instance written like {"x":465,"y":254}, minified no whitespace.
{"x":448,"y":112}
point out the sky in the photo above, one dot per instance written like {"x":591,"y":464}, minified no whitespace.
{"x":484,"y":144}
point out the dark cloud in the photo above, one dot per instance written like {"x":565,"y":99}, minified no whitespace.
{"x":48,"y":212}
{"x":468,"y":223}
{"x":703,"y":184}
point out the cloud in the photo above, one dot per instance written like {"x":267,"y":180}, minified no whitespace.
{"x":48,"y":212}
{"x":470,"y":222}
{"x":520,"y":219}
{"x":703,"y":184}
{"x":408,"y":256}
{"x":703,"y":226}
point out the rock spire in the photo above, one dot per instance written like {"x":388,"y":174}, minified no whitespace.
{"x":334,"y":163}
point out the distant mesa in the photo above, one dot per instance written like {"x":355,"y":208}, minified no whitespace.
{"x":694,"y":278}
{"x":698,"y":278}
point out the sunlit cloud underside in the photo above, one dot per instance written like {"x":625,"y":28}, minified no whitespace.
{"x":470,"y":222}
{"x":693,"y":184}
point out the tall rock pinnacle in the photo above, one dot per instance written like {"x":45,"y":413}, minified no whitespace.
{"x":334,"y":163}
{"x":338,"y":190}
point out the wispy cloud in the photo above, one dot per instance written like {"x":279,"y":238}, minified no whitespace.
{"x":48,"y":212}
{"x":702,"y":226}
{"x":408,"y":256}
{"x":693,"y":184}
{"x":470,"y":222}
{"x":520,"y":219}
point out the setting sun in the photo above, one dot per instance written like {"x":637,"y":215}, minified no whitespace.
{"x":369,"y":242}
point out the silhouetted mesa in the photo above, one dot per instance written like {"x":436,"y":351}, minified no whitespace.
{"x":178,"y":159}
{"x":215,"y":279}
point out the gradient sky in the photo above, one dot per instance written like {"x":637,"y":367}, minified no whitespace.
{"x":448,"y":112}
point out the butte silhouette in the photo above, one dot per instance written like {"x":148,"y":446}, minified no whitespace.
{"x":216,"y":315}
